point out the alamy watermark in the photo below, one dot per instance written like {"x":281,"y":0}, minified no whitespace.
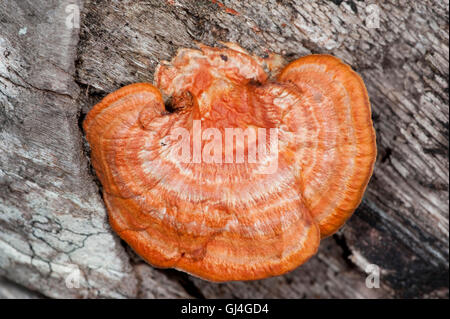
{"x":72,"y":280}
{"x":73,"y":16}
{"x":373,"y":278}
{"x":373,"y":16}
{"x":211,"y":147}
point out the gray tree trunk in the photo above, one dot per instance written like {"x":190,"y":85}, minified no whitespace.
{"x":53,"y":224}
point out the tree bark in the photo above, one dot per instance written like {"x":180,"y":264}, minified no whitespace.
{"x":53,"y":224}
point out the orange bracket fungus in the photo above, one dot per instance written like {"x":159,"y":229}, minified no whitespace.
{"x":230,"y":167}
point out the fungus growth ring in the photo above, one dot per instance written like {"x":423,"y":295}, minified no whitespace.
{"x":225,"y":220}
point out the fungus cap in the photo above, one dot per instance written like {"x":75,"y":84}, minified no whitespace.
{"x":222,"y":220}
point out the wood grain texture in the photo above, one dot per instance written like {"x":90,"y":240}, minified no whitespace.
{"x":52,"y":217}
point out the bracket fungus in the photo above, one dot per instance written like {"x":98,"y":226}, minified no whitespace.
{"x":216,"y":216}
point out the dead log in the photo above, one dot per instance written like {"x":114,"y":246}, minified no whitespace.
{"x":54,"y":236}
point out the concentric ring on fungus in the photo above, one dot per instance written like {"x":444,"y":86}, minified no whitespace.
{"x":224,"y":221}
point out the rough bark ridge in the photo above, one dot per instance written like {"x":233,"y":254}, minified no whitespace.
{"x":52,"y":219}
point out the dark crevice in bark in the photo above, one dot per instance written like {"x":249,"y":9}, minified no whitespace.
{"x":346,"y":251}
{"x":185,"y":281}
{"x":87,"y":98}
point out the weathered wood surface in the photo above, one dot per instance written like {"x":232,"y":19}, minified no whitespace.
{"x":52,"y":218}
